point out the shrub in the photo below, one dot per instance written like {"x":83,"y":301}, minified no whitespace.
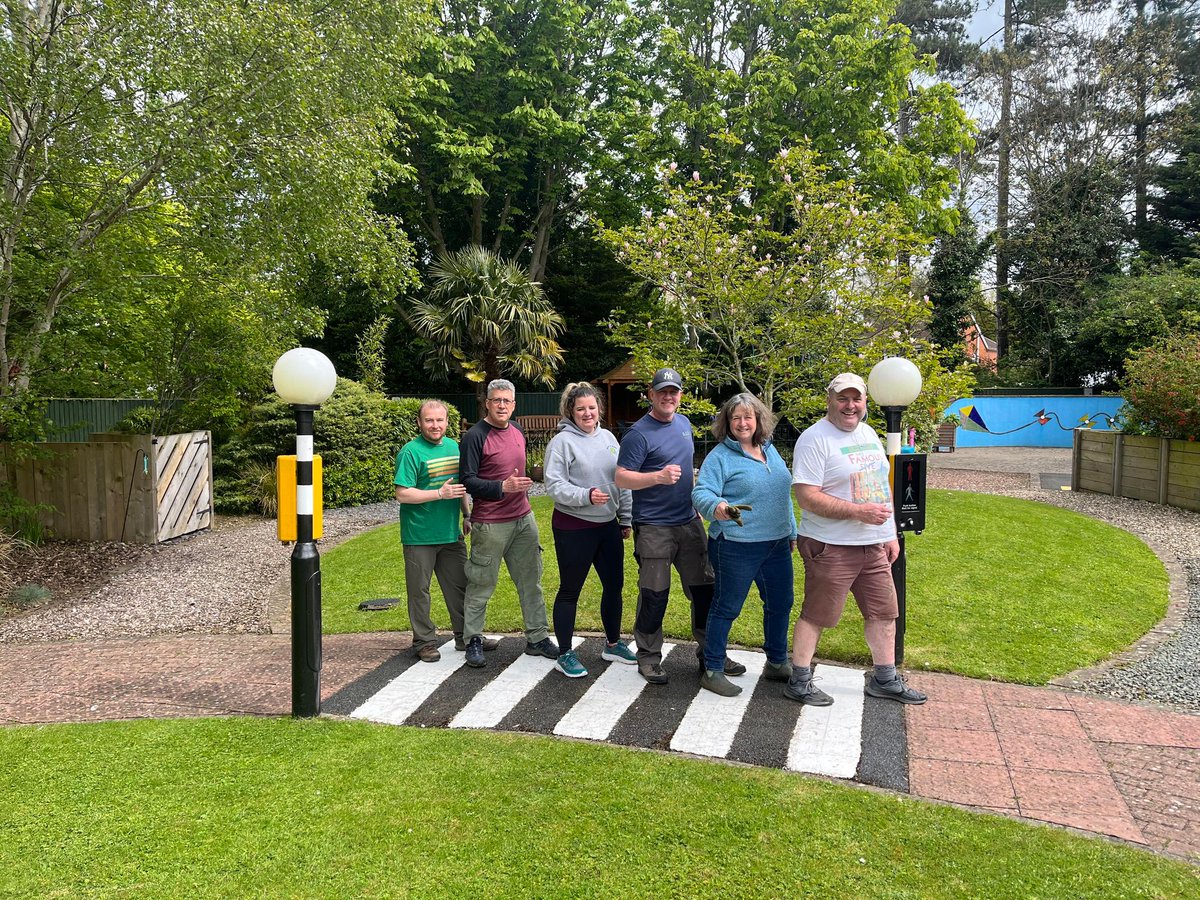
{"x":27,"y":596}
{"x":357,"y":434}
{"x":1162,"y":389}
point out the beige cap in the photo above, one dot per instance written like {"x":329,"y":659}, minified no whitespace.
{"x":847,"y":380}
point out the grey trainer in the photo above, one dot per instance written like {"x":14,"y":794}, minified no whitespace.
{"x":804,"y":691}
{"x":895,"y":690}
{"x":719,"y":684}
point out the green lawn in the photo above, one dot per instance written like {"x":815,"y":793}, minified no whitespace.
{"x":997,"y":588}
{"x":321,"y":808}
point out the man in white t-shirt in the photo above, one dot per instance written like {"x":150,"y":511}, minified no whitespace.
{"x":847,"y":541}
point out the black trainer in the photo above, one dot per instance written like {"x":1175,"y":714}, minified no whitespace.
{"x":545,"y":647}
{"x":896,"y":690}
{"x":652,"y":672}
{"x":731,"y":667}
{"x":475,"y":652}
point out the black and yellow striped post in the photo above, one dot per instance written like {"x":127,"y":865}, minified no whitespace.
{"x":306,"y":579}
{"x":305,"y":378}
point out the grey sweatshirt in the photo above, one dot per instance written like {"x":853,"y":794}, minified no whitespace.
{"x":577,"y":462}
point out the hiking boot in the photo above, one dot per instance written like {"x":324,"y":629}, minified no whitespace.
{"x":777,"y":671}
{"x":652,"y":672}
{"x":488,"y":643}
{"x":619,"y":653}
{"x":719,"y":684}
{"x":570,"y":665}
{"x":545,"y":647}
{"x":475,"y":652}
{"x":804,"y":691}
{"x":896,"y":690}
{"x":429,"y":653}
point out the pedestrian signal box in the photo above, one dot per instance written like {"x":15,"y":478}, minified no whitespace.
{"x":285,"y":497}
{"x":908,"y":490}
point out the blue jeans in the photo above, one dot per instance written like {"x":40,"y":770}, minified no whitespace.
{"x":737,"y":565}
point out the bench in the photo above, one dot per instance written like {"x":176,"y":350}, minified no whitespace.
{"x":535,"y":425}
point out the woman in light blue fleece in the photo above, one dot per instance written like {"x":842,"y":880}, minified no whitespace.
{"x":590,"y":522}
{"x":747,"y":546}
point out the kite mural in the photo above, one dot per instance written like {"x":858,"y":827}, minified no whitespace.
{"x":970,"y":419}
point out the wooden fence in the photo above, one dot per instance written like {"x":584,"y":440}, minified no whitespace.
{"x":1143,"y":468}
{"x":117,"y":487}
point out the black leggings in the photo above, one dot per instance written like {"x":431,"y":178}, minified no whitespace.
{"x":577,"y":552}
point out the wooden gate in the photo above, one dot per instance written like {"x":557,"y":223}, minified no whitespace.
{"x":183,"y":463}
{"x":116,"y":487}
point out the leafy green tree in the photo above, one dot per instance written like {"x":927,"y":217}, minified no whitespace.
{"x":249,"y":135}
{"x":1174,"y":227}
{"x":1069,"y":240}
{"x":1131,"y":312}
{"x":486,"y":318}
{"x":744,"y":78}
{"x":953,"y":284}
{"x":522,"y":114}
{"x":775,"y":296}
{"x":1162,"y":389}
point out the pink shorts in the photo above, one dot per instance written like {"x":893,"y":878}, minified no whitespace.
{"x":833,"y":570}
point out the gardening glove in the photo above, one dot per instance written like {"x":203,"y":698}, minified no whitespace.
{"x":735,"y":513}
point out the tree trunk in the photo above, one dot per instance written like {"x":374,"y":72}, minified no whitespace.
{"x":1002,"y":171}
{"x":1140,"y":122}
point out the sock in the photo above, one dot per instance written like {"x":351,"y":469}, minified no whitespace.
{"x":801,"y":673}
{"x":884,"y":674}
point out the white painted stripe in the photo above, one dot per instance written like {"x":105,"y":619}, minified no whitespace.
{"x":304,"y":448}
{"x":401,"y":696}
{"x":828,"y":739}
{"x":304,"y":499}
{"x":712,"y":721}
{"x":598,"y":711}
{"x":502,"y":693}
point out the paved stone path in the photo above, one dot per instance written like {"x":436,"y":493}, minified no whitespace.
{"x":1118,"y":769}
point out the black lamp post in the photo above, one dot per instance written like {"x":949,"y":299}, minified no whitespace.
{"x":894,"y":384}
{"x":305,"y":378}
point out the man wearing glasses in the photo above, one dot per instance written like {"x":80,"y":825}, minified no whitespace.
{"x":492,"y":464}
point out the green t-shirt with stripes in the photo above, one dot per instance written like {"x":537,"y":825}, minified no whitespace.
{"x":427,"y":467}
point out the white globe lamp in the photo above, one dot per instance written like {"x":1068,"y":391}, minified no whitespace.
{"x":894,"y":384}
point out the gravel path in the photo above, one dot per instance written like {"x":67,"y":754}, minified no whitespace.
{"x":223,"y":581}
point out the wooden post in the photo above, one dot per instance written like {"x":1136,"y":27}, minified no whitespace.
{"x":1164,"y":468}
{"x":1118,"y":459}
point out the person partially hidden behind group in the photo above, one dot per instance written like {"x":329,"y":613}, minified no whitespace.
{"x":591,"y":519}
{"x":743,"y":488}
{"x":847,"y":541}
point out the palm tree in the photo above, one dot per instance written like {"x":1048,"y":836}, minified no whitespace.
{"x":486,"y":318}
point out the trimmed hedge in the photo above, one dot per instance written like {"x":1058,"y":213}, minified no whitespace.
{"x":357,"y":435}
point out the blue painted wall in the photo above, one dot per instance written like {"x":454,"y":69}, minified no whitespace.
{"x":1008,"y":413}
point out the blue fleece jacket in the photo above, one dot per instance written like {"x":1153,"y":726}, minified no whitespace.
{"x":729,"y":474}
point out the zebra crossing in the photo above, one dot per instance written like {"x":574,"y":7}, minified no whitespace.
{"x":859,"y":738}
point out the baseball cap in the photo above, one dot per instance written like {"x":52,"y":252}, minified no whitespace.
{"x":666,"y":378}
{"x":847,"y":380}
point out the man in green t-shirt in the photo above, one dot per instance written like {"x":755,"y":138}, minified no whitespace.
{"x":430,"y":504}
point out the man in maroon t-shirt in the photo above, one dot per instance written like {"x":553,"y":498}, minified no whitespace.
{"x":492,"y":465}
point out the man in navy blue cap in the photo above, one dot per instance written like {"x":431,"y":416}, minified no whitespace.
{"x":655,"y":463}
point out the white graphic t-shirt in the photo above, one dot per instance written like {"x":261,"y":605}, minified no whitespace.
{"x":849,"y":465}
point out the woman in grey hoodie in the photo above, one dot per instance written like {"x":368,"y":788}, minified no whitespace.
{"x":591,"y":519}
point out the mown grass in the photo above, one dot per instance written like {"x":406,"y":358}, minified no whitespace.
{"x":997,"y":588}
{"x":322,"y":808}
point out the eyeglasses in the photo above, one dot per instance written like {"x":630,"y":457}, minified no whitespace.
{"x":501,"y":401}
